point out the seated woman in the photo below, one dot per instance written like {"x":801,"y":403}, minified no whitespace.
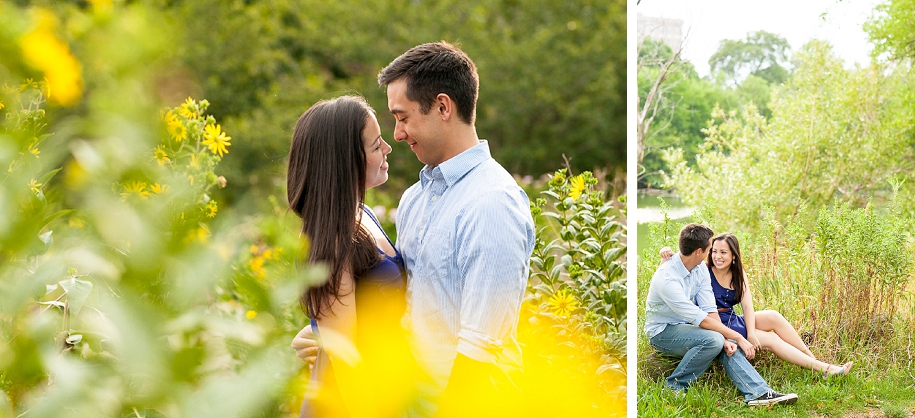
{"x":730,"y":285}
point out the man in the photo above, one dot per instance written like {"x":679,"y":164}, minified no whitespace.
{"x":681,"y":319}
{"x":465,"y":231}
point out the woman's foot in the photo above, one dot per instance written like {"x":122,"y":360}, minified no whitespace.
{"x":836,"y":370}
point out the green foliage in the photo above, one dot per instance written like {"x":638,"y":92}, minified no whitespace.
{"x":552,"y":75}
{"x":578,"y":281}
{"x":135,"y":307}
{"x":863,"y":282}
{"x":890,"y":29}
{"x":761,"y":54}
{"x":688,"y":105}
{"x":834,"y":133}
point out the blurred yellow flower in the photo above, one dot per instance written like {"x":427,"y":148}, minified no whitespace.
{"x":33,"y":147}
{"x":201,"y":234}
{"x":134,"y":189}
{"x":577,"y":187}
{"x":211,"y":209}
{"x":194,"y":164}
{"x":563,"y":303}
{"x":159,"y":188}
{"x":44,"y":51}
{"x":174,"y":126}
{"x":188,"y":109}
{"x":1,"y":105}
{"x":216,"y":140}
{"x":35,"y":186}
{"x":76,"y":223}
{"x":257,"y":266}
{"x":250,"y":314}
{"x":161,"y":156}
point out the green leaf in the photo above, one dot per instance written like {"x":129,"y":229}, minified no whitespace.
{"x":47,"y":239}
{"x":44,"y":179}
{"x":77,"y":292}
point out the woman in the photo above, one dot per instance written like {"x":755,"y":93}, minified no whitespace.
{"x":338,"y":153}
{"x":730,"y":286}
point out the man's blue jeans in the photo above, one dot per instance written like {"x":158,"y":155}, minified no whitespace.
{"x":698,"y":347}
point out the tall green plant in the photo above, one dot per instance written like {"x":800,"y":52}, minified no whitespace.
{"x":577,"y":289}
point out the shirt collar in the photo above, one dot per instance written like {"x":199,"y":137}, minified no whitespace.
{"x":456,"y":167}
{"x":678,"y":267}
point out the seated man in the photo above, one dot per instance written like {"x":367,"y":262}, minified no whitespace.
{"x":681,"y":320}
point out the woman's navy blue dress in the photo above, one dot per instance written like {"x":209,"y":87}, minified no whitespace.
{"x":725,"y":299}
{"x":380,"y":303}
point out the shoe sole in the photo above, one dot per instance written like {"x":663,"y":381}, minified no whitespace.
{"x":782,"y":400}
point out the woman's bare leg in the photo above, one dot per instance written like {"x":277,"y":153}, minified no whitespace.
{"x":769,"y":320}
{"x":773,"y":342}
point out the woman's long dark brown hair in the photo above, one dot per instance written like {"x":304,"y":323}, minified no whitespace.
{"x":737,"y":277}
{"x":325,"y":186}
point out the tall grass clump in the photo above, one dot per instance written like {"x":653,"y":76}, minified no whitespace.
{"x":865,"y":264}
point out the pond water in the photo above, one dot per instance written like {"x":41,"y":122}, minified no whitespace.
{"x":648,"y":212}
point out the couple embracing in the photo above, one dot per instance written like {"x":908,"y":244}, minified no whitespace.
{"x":447,"y":296}
{"x":689,"y":314}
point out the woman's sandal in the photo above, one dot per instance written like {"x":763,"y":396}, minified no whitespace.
{"x":844,"y":370}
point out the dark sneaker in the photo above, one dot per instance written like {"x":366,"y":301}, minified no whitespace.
{"x":774,"y":398}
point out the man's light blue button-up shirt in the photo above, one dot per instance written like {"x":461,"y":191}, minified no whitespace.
{"x":678,"y":296}
{"x":466,"y":233}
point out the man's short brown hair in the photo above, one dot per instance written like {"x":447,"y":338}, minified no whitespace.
{"x":435,"y":68}
{"x":693,"y":237}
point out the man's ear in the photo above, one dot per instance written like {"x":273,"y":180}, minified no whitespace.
{"x":699,"y":251}
{"x":444,"y":106}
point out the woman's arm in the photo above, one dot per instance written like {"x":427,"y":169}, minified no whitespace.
{"x":749,"y":315}
{"x":337,"y":329}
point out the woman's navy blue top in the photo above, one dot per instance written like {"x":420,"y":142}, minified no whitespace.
{"x":726,"y":299}
{"x":380,"y":302}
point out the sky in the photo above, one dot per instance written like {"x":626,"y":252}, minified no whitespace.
{"x":798,"y":21}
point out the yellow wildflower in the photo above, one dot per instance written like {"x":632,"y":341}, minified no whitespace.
{"x":255,"y":249}
{"x":257,"y":266}
{"x":194,"y":163}
{"x":33,"y":147}
{"x":161,"y":156}
{"x":216,"y":140}
{"x":174,"y":126}
{"x":159,"y":188}
{"x":44,"y":51}
{"x":577,"y":187}
{"x":76,"y":223}
{"x":134,"y":189}
{"x":200,"y":234}
{"x":268,"y":254}
{"x":1,"y":105}
{"x":35,"y":186}
{"x":211,"y":209}
{"x":562,"y":303}
{"x":250,"y":314}
{"x":188,"y":109}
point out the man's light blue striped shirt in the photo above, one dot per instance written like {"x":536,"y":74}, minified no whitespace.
{"x":466,"y":234}
{"x":678,"y":296}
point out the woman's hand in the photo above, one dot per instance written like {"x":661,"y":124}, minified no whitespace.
{"x":748,"y":349}
{"x":753,"y":339}
{"x":666,"y":253}
{"x":305,"y":346}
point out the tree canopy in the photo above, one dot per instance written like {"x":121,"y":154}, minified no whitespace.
{"x":761,"y":54}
